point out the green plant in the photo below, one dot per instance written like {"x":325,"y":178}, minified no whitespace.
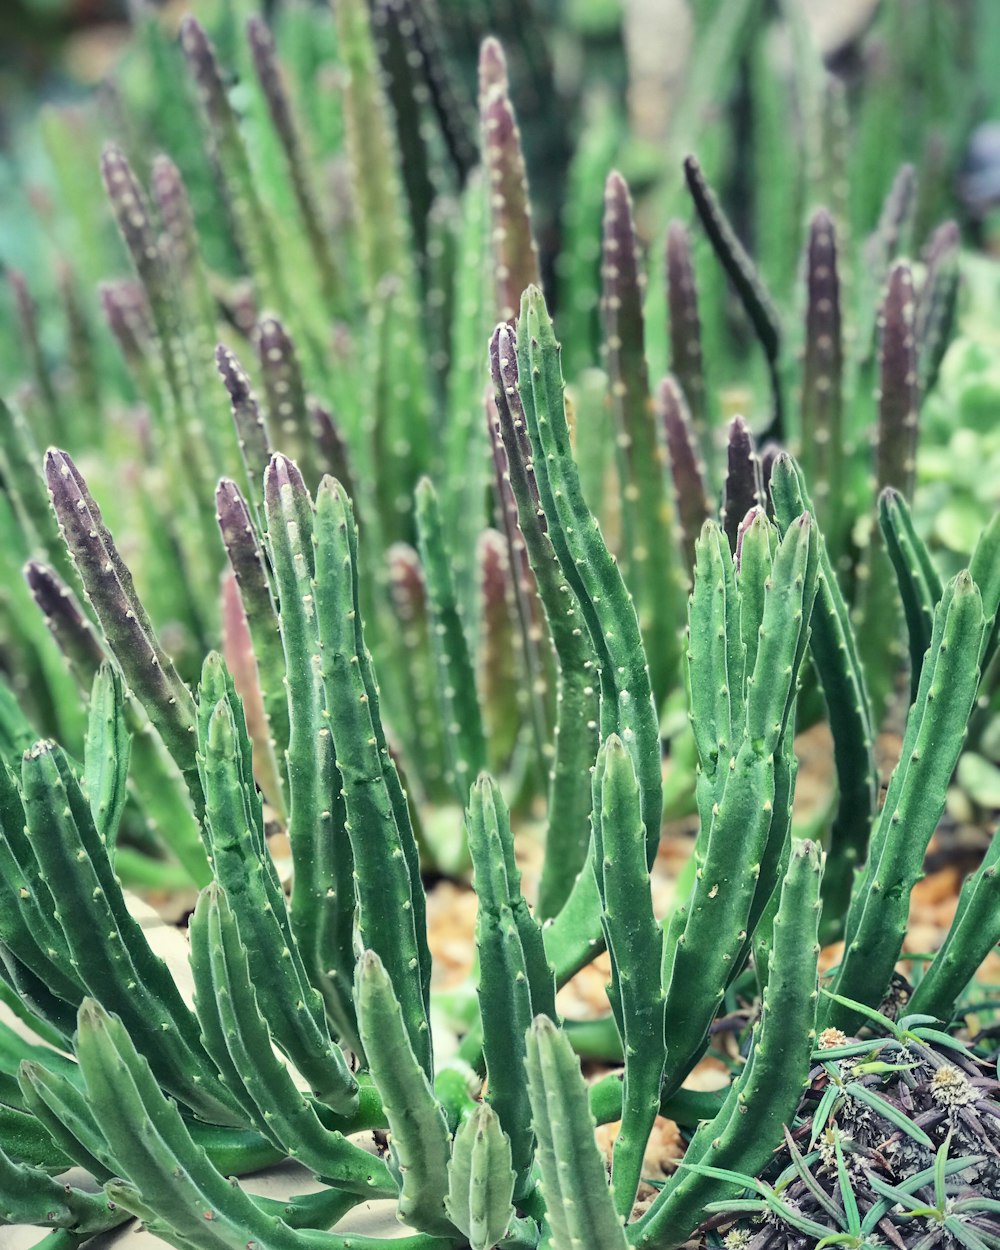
{"x":894,"y":1141}
{"x":160,"y":1103}
{"x":889,"y":344}
{"x":366,"y":262}
{"x":549,"y":650}
{"x":952,"y":501}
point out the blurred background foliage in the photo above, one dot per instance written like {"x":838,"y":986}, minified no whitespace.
{"x":778,"y":84}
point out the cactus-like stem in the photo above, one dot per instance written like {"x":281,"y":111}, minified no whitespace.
{"x":29,"y":930}
{"x":895,"y":465}
{"x":66,"y":621}
{"x":579,"y":1206}
{"x":247,"y":560}
{"x":168,"y":1175}
{"x":746,"y":282}
{"x":127,"y":316}
{"x":382,"y":224}
{"x":896,"y":441}
{"x":465,"y":740}
{"x":821,"y":412}
{"x":708,"y":932}
{"x":528,"y":602}
{"x":635,"y":943}
{"x":774,"y":867}
{"x":25,"y":487}
{"x":515,"y":981}
{"x":464,"y":458}
{"x":932,"y":742}
{"x":49,"y":1086}
{"x":715,"y":646}
{"x":252,"y":433}
{"x":896,"y":216}
{"x":743,"y":489}
{"x":576,"y":699}
{"x":626,"y":705}
{"x":756,"y":544}
{"x":838,"y":663}
{"x":497,"y":669}
{"x":323,"y":886}
{"x":242,"y":866}
{"x":106,"y":757}
{"x":515,"y":255}
{"x":254,"y":230}
{"x":409,"y":600}
{"x":917,"y":578}
{"x":686,"y":466}
{"x":748,"y":1128}
{"x":238,"y":1037}
{"x":169,"y":358}
{"x":767,"y":461}
{"x":452,"y":106}
{"x":420,"y":156}
{"x":774,"y":860}
{"x":279,"y":107}
{"x":480,"y":1180}
{"x":81,"y":349}
{"x":399,"y":426}
{"x":61,"y":1106}
{"x":165,"y":796}
{"x":420,"y":1141}
{"x":880,"y":249}
{"x":685,"y":330}
{"x":390,"y":899}
{"x":193,"y":300}
{"x":121,"y":970}
{"x":31,"y":1196}
{"x":149,"y":671}
{"x":578,"y":261}
{"x":284,"y":389}
{"x":179,"y":245}
{"x":985,"y":570}
{"x":237,"y":648}
{"x":974,"y":932}
{"x":648,"y":567}
{"x":333,"y":453}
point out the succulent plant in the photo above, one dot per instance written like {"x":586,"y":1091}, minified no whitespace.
{"x":159,"y":1103}
{"x":515,"y":566}
{"x":366,"y":264}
